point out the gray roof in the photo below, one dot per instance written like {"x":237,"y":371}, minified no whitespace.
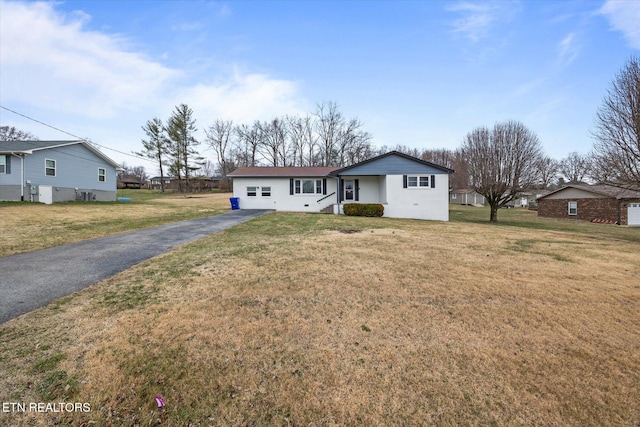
{"x":602,"y":190}
{"x":393,"y":162}
{"x":28,"y":147}
{"x":25,"y":146}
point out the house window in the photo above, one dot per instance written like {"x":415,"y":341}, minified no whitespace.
{"x":3,"y":163}
{"x":573,"y":208}
{"x":415,"y":181}
{"x":251,"y":191}
{"x":50,"y":167}
{"x":102,"y":174}
{"x":454,"y":196}
{"x":308,"y":186}
{"x":266,"y":191}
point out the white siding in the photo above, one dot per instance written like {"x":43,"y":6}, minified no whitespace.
{"x":280,"y":198}
{"x":418,"y":203}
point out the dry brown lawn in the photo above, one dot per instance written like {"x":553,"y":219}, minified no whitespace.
{"x":294,"y":319}
{"x":31,"y":226}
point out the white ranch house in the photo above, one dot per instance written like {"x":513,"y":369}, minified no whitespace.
{"x":407,"y":187}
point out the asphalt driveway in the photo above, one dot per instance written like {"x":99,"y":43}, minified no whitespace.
{"x":33,"y":279}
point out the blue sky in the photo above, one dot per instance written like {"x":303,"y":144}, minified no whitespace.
{"x":416,"y":73}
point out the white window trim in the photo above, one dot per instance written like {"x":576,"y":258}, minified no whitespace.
{"x":255,"y":190}
{"x":4,"y":164}
{"x":418,"y":185}
{"x":102,"y":175}
{"x":262,"y":191}
{"x":575,"y":205}
{"x":315,"y":186}
{"x":55,"y":167}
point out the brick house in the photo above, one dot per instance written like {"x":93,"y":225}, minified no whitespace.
{"x":596,"y":203}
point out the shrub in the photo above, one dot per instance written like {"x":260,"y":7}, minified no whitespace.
{"x":363,"y":209}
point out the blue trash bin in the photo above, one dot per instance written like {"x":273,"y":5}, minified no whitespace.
{"x":235,"y":203}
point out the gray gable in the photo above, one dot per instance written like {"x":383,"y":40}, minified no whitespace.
{"x":392,"y":163}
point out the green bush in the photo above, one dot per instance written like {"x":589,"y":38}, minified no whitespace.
{"x":363,"y":209}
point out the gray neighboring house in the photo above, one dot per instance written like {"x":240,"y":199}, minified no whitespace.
{"x":55,"y":171}
{"x":466,"y":196}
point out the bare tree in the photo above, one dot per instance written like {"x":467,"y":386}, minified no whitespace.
{"x":137,"y":172}
{"x":273,"y":145}
{"x":156,"y":147}
{"x":460,"y":178}
{"x":10,"y":133}
{"x":218,"y":138}
{"x":575,"y":168}
{"x":502,"y":162}
{"x":409,"y":151}
{"x":439,"y":156}
{"x":549,"y":169}
{"x":617,"y":129}
{"x":329,"y":123}
{"x":247,"y":144}
{"x":207,"y":168}
{"x":297,"y":132}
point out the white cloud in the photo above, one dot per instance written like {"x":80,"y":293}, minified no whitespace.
{"x":477,"y":18}
{"x":95,"y":85}
{"x":243,"y":98}
{"x":624,"y":16}
{"x":568,"y":49}
{"x":53,"y":61}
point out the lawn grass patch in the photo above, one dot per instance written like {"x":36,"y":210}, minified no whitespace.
{"x":32,"y":226}
{"x":285,"y":319}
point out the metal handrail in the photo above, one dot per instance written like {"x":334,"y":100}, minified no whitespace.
{"x":328,"y":195}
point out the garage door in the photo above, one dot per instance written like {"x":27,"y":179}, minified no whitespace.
{"x":633,"y":214}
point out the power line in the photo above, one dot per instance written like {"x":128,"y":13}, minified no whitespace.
{"x":76,"y":136}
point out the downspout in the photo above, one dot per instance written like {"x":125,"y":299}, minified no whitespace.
{"x":21,"y":175}
{"x":338,"y":193}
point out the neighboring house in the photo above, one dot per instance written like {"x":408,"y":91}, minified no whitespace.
{"x":154,"y":182}
{"x":129,"y":181}
{"x":407,"y":187}
{"x":55,"y":171}
{"x":197,"y":183}
{"x":530,"y":199}
{"x":466,"y":196}
{"x":202,"y":182}
{"x":601,"y":203}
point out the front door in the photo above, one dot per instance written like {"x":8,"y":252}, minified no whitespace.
{"x":349,"y":189}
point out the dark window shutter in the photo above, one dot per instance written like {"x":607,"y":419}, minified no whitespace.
{"x":341,"y":190}
{"x":8,"y":165}
{"x":433,"y":181}
{"x":404,"y":181}
{"x":291,"y":186}
{"x":324,"y":186}
{"x":357,"y":183}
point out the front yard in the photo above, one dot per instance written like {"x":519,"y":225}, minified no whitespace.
{"x":31,"y":226}
{"x":329,"y":320}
